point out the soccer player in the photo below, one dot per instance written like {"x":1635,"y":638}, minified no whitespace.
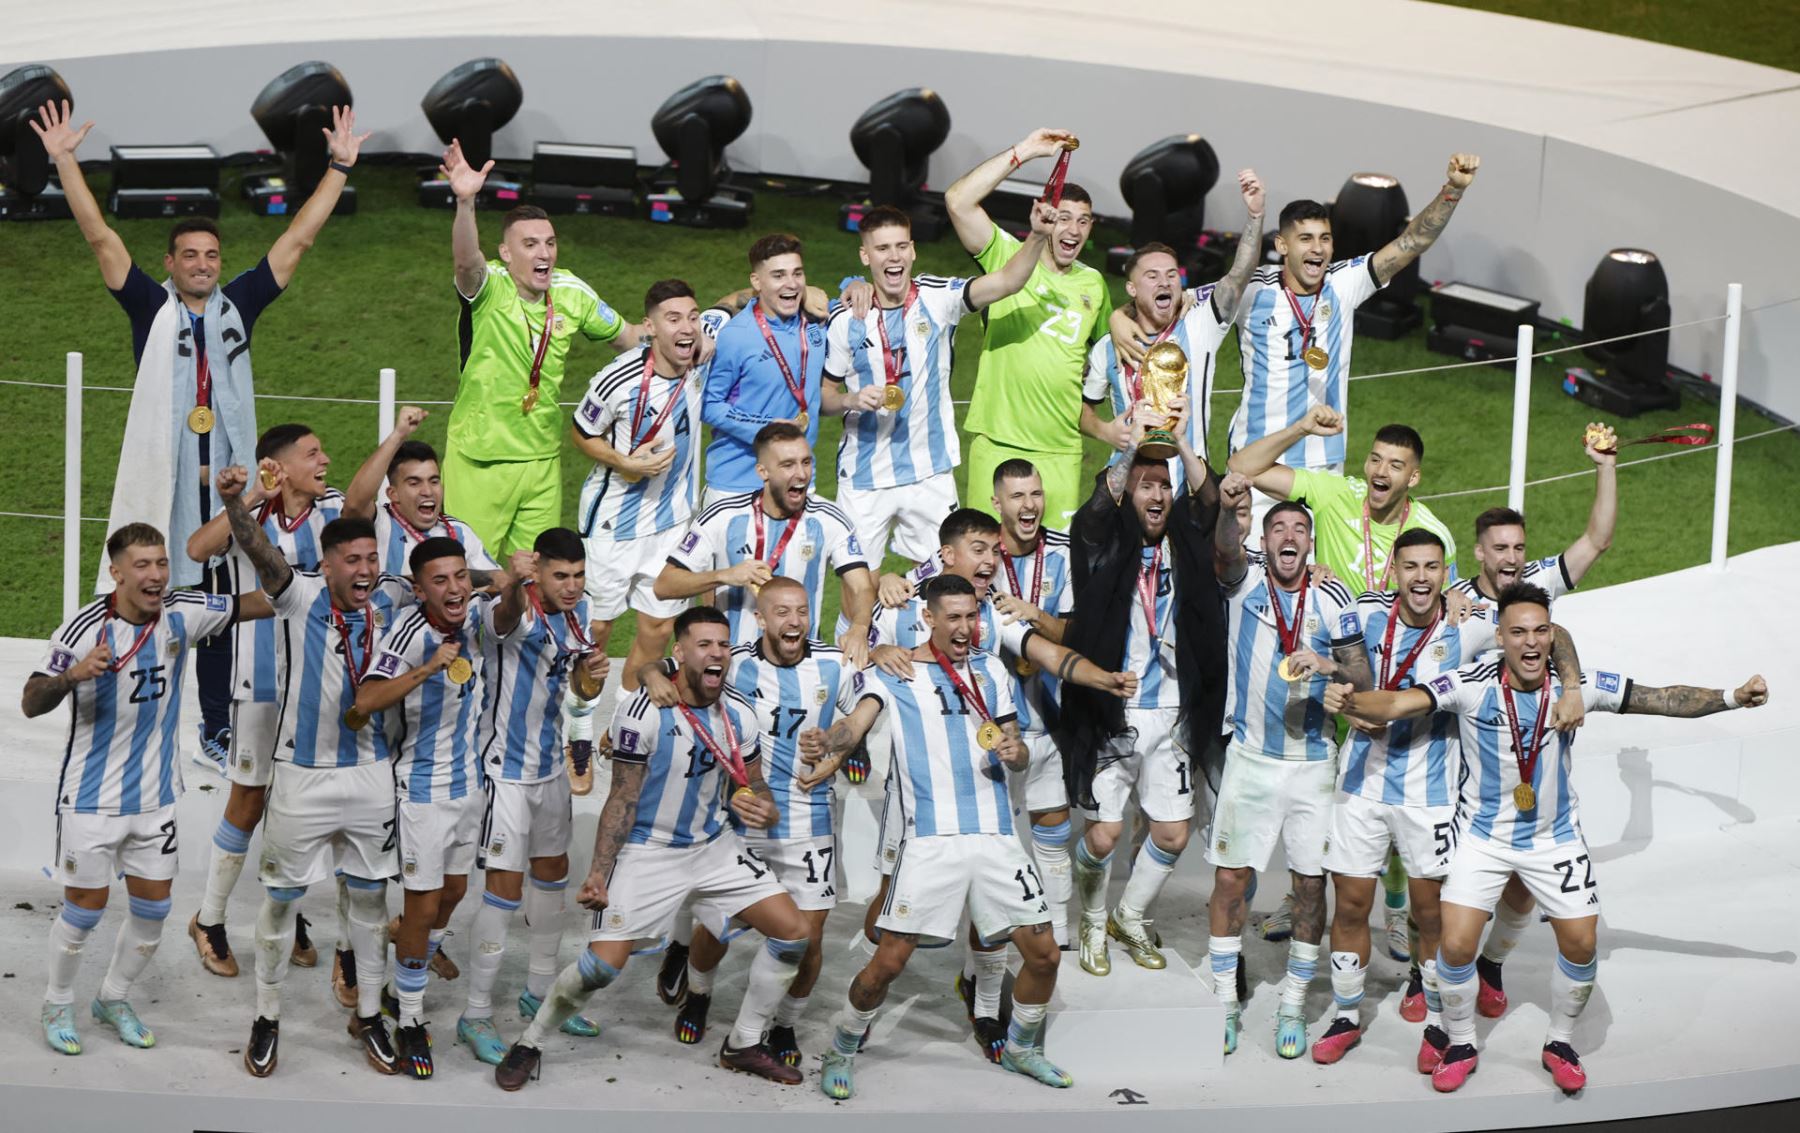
{"x":890,"y":372}
{"x":430,"y":668}
{"x":120,"y":661}
{"x":331,"y":799}
{"x":1028,"y":391}
{"x":1518,"y":814}
{"x":743,"y":540}
{"x":664,"y":838}
{"x":1281,"y":763}
{"x":292,"y":505}
{"x":766,"y":367}
{"x":190,"y":340}
{"x":1295,"y":324}
{"x":503,"y":466}
{"x":414,"y":508}
{"x":1153,"y":280}
{"x":539,"y":644}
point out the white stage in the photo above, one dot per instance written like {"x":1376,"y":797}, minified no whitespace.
{"x":1695,"y":824}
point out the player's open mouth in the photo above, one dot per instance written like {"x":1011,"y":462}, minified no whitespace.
{"x":712,"y":676}
{"x":1421,"y":588}
{"x":1531,"y":658}
{"x":788,"y":298}
{"x":894,"y":272}
{"x":792,"y":637}
{"x":455,"y":607}
{"x":1288,"y":556}
{"x":1068,"y":246}
{"x":1154,"y":511}
{"x":796,"y":495}
{"x":959,"y":643}
{"x":1163,"y":301}
{"x":1028,"y":520}
{"x":540,"y":271}
{"x":152,"y":595}
{"x":684,"y":348}
{"x":1507,"y":575}
{"x":428,"y":509}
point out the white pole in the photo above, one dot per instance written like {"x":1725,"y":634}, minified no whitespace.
{"x":385,"y":415}
{"x":72,"y":485}
{"x":1728,"y":381}
{"x":1515,"y":484}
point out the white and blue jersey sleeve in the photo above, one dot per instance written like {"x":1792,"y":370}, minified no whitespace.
{"x":1270,"y":716}
{"x":253,"y":662}
{"x":434,"y":741}
{"x":683,"y":801}
{"x":519,"y":733}
{"x":612,"y":506}
{"x":316,"y":688}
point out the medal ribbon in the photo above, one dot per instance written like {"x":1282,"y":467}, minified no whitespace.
{"x":144,"y":634}
{"x":1037,"y":573}
{"x":1527,"y":757}
{"x":643,"y":403}
{"x":729,"y":757}
{"x":1289,"y":638}
{"x":413,"y":534}
{"x":969,"y":693}
{"x":543,"y":346}
{"x":793,"y":525}
{"x":797,"y":388}
{"x":202,"y":372}
{"x":1387,"y":648}
{"x":1694,"y":433}
{"x":582,"y":645}
{"x":1304,"y":319}
{"x":1148,"y":579}
{"x":352,"y":667}
{"x":273,"y":507}
{"x":1369,"y":548}
{"x":1053,"y":188}
{"x":890,"y":364}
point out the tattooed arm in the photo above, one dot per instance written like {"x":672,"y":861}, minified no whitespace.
{"x":1429,"y":224}
{"x":271,"y":568}
{"x":1351,"y":664}
{"x":615,"y":824}
{"x":1227,"y":292}
{"x":823,"y":750}
{"x":1688,"y":702}
{"x":1071,"y":666}
{"x":1570,"y":711}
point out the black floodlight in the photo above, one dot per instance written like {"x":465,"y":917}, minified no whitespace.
{"x":471,"y":104}
{"x":294,"y":112}
{"x":1370,"y":211}
{"x":1166,"y":185}
{"x":24,"y":166}
{"x":1628,"y":294}
{"x":693,"y":128}
{"x":895,"y":139}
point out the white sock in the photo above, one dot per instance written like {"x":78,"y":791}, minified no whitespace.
{"x":683,"y":932}
{"x":369,"y":938}
{"x":1508,"y":926}
{"x":990,"y":979}
{"x":1224,"y":951}
{"x":770,"y":974}
{"x":1090,"y":881}
{"x":1303,"y":961}
{"x":849,"y":1027}
{"x":1457,"y":987}
{"x":1434,"y":1000}
{"x":699,"y":982}
{"x":1027,"y":1026}
{"x":138,"y":938}
{"x":68,"y":936}
{"x":1149,"y":871}
{"x":544,"y":919}
{"x":230,"y":848}
{"x":274,"y":945}
{"x":568,"y":994}
{"x":789,"y":1010}
{"x":1347,"y":976}
{"x":1050,"y":849}
{"x":410,"y":976}
{"x":1570,"y":986}
{"x":486,"y":951}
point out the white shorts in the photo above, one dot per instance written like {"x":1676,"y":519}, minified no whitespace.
{"x":1040,"y":785}
{"x":650,"y":884}
{"x":1560,"y":876}
{"x":808,"y":868}
{"x":438,"y":839}
{"x":1264,"y":801}
{"x":253,"y":734}
{"x":322,"y":819}
{"x":1362,"y":828}
{"x":938,"y":874}
{"x":1145,"y":759}
{"x":622,"y":572}
{"x":92,"y":850}
{"x":913,"y":512}
{"x":526,"y":821}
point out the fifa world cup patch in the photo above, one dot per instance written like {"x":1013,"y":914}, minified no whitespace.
{"x":60,"y":660}
{"x":690,"y":541}
{"x":1608,"y":682}
{"x":627,"y":741}
{"x":1347,"y":626}
{"x":1442,"y":685}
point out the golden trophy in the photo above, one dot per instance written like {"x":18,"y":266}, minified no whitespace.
{"x":1162,"y":379}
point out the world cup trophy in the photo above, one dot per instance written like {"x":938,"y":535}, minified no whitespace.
{"x":1163,"y":379}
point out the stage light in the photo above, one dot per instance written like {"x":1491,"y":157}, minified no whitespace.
{"x":162,"y":181}
{"x":1627,"y":294}
{"x":1165,"y":186}
{"x":1371,"y":210}
{"x":28,"y":191}
{"x":895,"y":139}
{"x":470,"y":104}
{"x":693,"y":128}
{"x":567,"y":177}
{"x":1477,"y":324}
{"x":294,"y":110}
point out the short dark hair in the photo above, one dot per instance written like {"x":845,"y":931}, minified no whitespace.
{"x":1403,"y":436}
{"x":1520,"y":593}
{"x":776,"y":431}
{"x":276,"y":439}
{"x":520,"y":212}
{"x":1154,"y":248}
{"x":664,"y":290}
{"x":1018,"y":468}
{"x":132,"y":535}
{"x":561,"y":544}
{"x":700,"y":615}
{"x":411,"y":452}
{"x":966,"y":521}
{"x":1497,"y":517}
{"x":432,"y":549}
{"x":884,"y":216}
{"x":943,"y":586}
{"x":772,"y":245}
{"x":189,"y":224}
{"x":1076,"y":194}
{"x":1285,"y":505}
{"x":345,"y":529}
{"x":1418,"y":537}
{"x":1296,"y":211}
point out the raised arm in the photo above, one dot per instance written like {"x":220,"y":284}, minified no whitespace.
{"x":1602,"y":516}
{"x":1228,"y":291}
{"x":271,"y":568}
{"x":988,"y":289}
{"x":60,"y":142}
{"x":465,"y":240}
{"x":1260,"y":460}
{"x":1230,"y":560}
{"x":1383,"y":706}
{"x":974,"y":227}
{"x":1688,"y":702}
{"x":359,"y":500}
{"x":343,"y":143}
{"x":676,"y":582}
{"x":1429,"y":224}
{"x":1071,"y":666}
{"x":510,"y":609}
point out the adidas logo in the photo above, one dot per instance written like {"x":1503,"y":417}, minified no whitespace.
{"x":1593,"y":898}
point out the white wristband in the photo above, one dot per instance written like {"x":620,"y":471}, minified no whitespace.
{"x":1731,"y":699}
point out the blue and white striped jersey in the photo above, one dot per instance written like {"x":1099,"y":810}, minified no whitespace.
{"x":1198,"y":333}
{"x":124,"y":725}
{"x":1490,"y":765}
{"x":520,"y":731}
{"x":619,"y":412}
{"x":1552,"y":574}
{"x":725,"y":535}
{"x":396,"y":538}
{"x":253,"y":665}
{"x":892,"y":448}
{"x":1279,"y":387}
{"x":1150,"y":651}
{"x":1414,"y":762}
{"x":905,"y":627}
{"x":1270,"y":716}
{"x":785,"y":701}
{"x":313,"y":642}
{"x":948,"y":783}
{"x":685,"y":792}
{"x":1038,"y":696}
{"x":434,"y":742}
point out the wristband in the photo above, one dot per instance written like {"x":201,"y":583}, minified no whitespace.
{"x":340,"y":167}
{"x":1731,"y":699}
{"x":1015,"y":156}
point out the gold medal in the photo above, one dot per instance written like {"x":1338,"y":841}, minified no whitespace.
{"x":459,"y":671}
{"x":1524,"y":797}
{"x":1025,"y":667}
{"x":1071,"y":142}
{"x":530,"y":400}
{"x":586,"y":687}
{"x":802,"y":420}
{"x":742,"y":791}
{"x":268,"y":478}
{"x":356,"y":721}
{"x":200,"y":419}
{"x":988,"y":735}
{"x":1316,"y":357}
{"x":892,"y":398}
{"x":1285,"y":670}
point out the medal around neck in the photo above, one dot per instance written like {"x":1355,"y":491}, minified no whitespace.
{"x":1286,"y":670}
{"x":1317,"y":357}
{"x":355,"y":720}
{"x":459,"y":671}
{"x":892,"y":398}
{"x":200,"y":420}
{"x":1164,"y":377}
{"x":1524,"y":797}
{"x":988,"y":735}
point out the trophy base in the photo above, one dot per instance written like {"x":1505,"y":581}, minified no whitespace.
{"x":1158,"y":444}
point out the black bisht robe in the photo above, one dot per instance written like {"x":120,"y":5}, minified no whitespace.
{"x":1106,"y":542}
